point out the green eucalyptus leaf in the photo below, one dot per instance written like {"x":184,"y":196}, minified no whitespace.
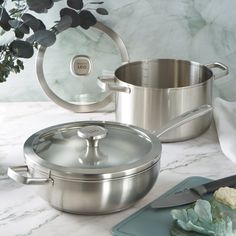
{"x":19,"y":34}
{"x":45,"y":38}
{"x":41,"y":26}
{"x":20,"y":25}
{"x":16,"y":69}
{"x":34,"y":23}
{"x":87,"y":19}
{"x":102,"y":11}
{"x":4,"y":21}
{"x":20,"y":64}
{"x":73,"y":14}
{"x":40,"y":6}
{"x":96,"y":2}
{"x":76,"y":4}
{"x":20,"y":48}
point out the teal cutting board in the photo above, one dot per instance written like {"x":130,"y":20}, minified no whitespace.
{"x":153,"y":222}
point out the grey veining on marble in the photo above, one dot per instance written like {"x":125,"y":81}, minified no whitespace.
{"x":199,"y":30}
{"x":23,"y":213}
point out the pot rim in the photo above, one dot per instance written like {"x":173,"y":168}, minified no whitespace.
{"x":170,"y":88}
{"x":32,"y":159}
{"x":56,"y":175}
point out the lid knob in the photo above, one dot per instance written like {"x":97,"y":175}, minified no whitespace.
{"x":92,"y":134}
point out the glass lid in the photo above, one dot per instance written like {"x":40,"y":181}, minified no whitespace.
{"x":93,"y":148}
{"x":69,"y":69}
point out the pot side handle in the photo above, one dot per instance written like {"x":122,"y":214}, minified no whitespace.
{"x":19,"y":174}
{"x":110,"y":83}
{"x":224,"y":68}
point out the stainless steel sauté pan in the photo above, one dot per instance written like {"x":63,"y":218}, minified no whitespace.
{"x":94,"y":167}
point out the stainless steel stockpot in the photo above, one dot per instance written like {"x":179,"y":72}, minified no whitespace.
{"x":152,"y":92}
{"x":94,"y":167}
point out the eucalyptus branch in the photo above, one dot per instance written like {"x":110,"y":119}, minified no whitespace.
{"x":30,"y":31}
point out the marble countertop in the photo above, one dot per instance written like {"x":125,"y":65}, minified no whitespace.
{"x":22,"y":212}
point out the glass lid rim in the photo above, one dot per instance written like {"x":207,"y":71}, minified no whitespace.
{"x":115,"y":37}
{"x":152,"y":157}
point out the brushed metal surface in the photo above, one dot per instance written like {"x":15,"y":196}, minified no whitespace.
{"x":97,"y":197}
{"x":183,"y":118}
{"x":163,"y":89}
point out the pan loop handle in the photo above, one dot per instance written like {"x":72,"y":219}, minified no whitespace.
{"x":184,"y":118}
{"x":110,"y":83}
{"x":21,"y":175}
{"x":224,"y":68}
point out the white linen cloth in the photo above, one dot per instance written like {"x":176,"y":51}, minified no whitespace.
{"x":225,"y":120}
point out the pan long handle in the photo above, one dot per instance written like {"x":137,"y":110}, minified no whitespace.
{"x":184,"y":118}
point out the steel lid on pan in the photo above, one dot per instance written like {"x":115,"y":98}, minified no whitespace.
{"x":92,"y":150}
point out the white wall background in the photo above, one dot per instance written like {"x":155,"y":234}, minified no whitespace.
{"x":199,"y":30}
